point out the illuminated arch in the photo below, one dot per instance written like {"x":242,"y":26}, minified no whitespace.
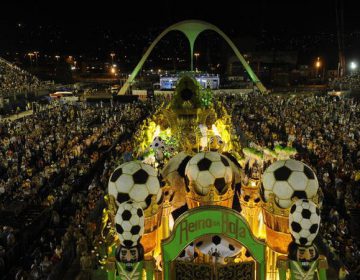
{"x":192,"y":29}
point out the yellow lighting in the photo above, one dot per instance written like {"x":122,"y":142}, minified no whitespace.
{"x":221,"y":128}
{"x":215,"y":130}
{"x":271,"y":257}
{"x":157,"y":131}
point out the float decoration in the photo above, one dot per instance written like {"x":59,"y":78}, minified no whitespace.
{"x":284,"y":152}
{"x":304,"y":222}
{"x":283,"y":182}
{"x":303,"y":261}
{"x":253,"y":153}
{"x":270,"y":153}
{"x":173,"y":175}
{"x":194,"y":156}
{"x":129,"y":224}
{"x":206,"y":98}
{"x":134,"y":194}
{"x":208,"y":179}
{"x":289,"y":179}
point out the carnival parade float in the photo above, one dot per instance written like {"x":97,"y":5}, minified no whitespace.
{"x":197,"y":205}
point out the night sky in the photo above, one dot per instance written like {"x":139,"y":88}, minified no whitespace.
{"x":297,"y":16}
{"x":100,"y":26}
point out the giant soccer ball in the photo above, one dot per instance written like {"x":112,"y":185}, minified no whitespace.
{"x":188,"y":254}
{"x":236,"y":168}
{"x":135,"y":181}
{"x":173,"y":174}
{"x":208,"y":169}
{"x":288,"y":179}
{"x":304,"y":221}
{"x":174,"y":170}
{"x":129,"y":223}
{"x":218,"y":246}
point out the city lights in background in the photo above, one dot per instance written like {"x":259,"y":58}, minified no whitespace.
{"x":113,"y":69}
{"x":30,"y":54}
{"x":196,"y":60}
{"x":317,"y":66}
{"x":112,"y":57}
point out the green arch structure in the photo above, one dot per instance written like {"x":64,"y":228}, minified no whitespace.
{"x":192,"y":29}
{"x":206,"y":220}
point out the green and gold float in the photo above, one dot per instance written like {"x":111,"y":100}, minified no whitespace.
{"x":197,"y":205}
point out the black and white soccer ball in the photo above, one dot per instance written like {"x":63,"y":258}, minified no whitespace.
{"x":157,"y":143}
{"x":304,"y":221}
{"x":129,"y":223}
{"x":208,"y":169}
{"x":288,"y":179}
{"x":188,"y":254}
{"x":135,"y":181}
{"x":173,"y":175}
{"x":218,"y":246}
{"x":238,"y":173}
{"x":174,"y":171}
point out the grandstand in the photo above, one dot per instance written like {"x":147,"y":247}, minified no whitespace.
{"x":348,"y":82}
{"x":15,"y":81}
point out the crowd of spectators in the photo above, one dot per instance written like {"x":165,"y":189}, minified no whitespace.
{"x":14,"y":80}
{"x":347,"y":82}
{"x":43,"y":159}
{"x":68,"y":141}
{"x":326,"y":133}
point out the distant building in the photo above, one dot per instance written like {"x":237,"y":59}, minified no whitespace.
{"x":270,"y":66}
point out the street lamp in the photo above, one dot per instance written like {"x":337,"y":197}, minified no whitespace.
{"x":353,"y":66}
{"x":196,"y":59}
{"x":36,"y":56}
{"x":112,"y":57}
{"x":317,"y":65}
{"x":114,"y":70}
{"x":30,"y":57}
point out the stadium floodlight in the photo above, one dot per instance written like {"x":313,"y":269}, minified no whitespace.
{"x":353,"y":65}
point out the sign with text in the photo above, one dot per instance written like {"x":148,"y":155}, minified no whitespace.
{"x":210,"y":220}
